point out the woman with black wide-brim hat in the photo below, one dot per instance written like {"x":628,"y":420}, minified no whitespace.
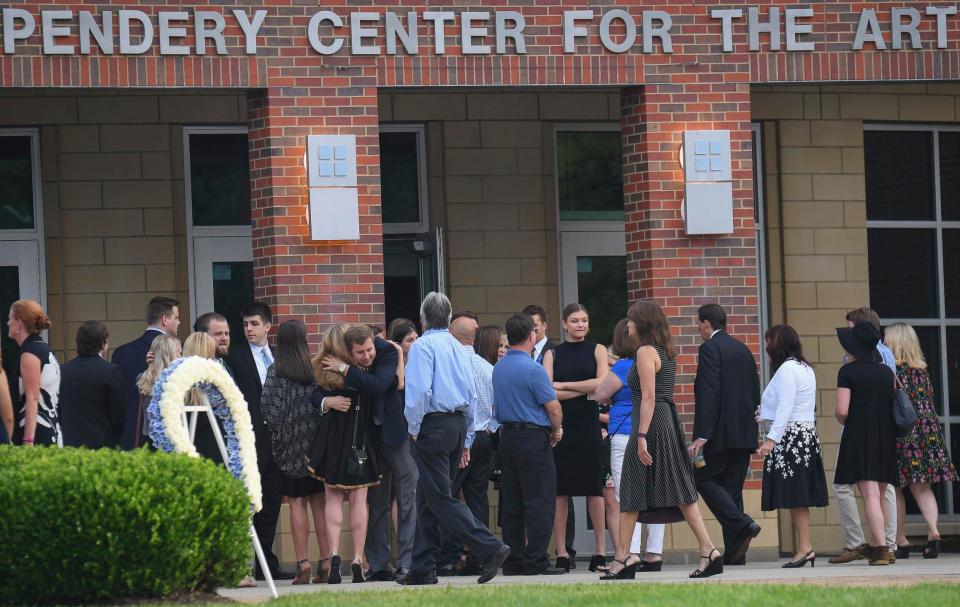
{"x":868,"y":447}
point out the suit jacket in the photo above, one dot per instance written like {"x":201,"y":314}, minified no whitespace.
{"x":727,"y":392}
{"x":550,"y":345}
{"x":379,"y":383}
{"x":131,"y":357}
{"x":92,"y":409}
{"x":245,"y":374}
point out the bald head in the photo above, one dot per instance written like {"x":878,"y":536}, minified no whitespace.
{"x":464,"y":329}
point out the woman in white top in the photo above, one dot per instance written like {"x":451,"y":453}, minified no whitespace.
{"x":793,"y":474}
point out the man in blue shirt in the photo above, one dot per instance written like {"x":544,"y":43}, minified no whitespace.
{"x":441,"y":404}
{"x":530,"y":416}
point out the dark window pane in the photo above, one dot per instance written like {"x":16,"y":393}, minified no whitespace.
{"x":951,"y":272}
{"x":953,"y":370}
{"x":16,"y":184}
{"x":602,"y":288}
{"x":903,"y":272}
{"x":220,"y":180}
{"x":9,"y":293}
{"x":402,"y":273}
{"x":590,"y":175}
{"x":950,"y":176}
{"x":899,"y":174}
{"x":930,"y":344}
{"x":232,"y":289}
{"x":400,"y":177}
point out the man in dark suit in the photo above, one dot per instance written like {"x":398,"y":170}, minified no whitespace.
{"x":91,"y":392}
{"x":380,"y":359}
{"x":727,"y":392}
{"x":163,"y":318}
{"x":216,"y":326}
{"x":250,"y":361}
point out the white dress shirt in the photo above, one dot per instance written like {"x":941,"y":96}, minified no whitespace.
{"x":791,"y":396}
{"x":538,"y":348}
{"x":257,"y":352}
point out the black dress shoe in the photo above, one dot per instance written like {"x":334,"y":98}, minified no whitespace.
{"x":547,"y":571}
{"x":401,"y":573}
{"x":516,"y":571}
{"x":384,"y":575}
{"x":649,"y":566}
{"x":563,"y":562}
{"x":743,"y":542}
{"x":933,"y":548}
{"x":446,"y":571}
{"x":491,"y":566}
{"x":418,"y":579}
{"x":278,"y":574}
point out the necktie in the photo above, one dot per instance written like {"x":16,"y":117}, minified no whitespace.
{"x":267,"y":358}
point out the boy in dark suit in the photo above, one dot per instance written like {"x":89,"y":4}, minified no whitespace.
{"x":727,"y":392}
{"x":91,"y":392}
{"x":163,"y":317}
{"x":249,"y":361}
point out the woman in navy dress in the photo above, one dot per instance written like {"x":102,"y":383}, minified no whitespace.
{"x":38,"y":377}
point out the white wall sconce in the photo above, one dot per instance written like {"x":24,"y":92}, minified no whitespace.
{"x":332,"y":178}
{"x":708,"y":182}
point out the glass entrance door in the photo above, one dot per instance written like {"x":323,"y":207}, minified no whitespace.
{"x":223,"y":277}
{"x":19,"y":279}
{"x":593,"y":269}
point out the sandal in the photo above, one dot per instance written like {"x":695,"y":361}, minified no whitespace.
{"x":304,"y":572}
{"x":714,"y":566}
{"x":322,"y":572}
{"x":628,"y":572}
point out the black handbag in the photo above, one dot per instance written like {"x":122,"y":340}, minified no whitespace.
{"x":904,"y":413}
{"x":358,"y":460}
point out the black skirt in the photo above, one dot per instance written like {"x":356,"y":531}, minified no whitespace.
{"x":334,"y":445}
{"x":793,"y":474}
{"x":300,"y":487}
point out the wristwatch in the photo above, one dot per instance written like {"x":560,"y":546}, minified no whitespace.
{"x":343,"y":369}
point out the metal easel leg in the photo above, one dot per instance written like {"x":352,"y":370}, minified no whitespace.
{"x":261,"y":558}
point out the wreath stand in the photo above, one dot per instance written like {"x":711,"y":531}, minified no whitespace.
{"x":191,"y":425}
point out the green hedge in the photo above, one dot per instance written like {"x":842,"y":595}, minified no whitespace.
{"x":79,"y":525}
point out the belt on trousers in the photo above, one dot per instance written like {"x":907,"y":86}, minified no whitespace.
{"x":524,"y":426}
{"x":445,"y":413}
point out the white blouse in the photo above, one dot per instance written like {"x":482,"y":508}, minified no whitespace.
{"x":791,"y":396}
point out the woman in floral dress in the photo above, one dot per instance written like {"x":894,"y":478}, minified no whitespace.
{"x":923,"y":458}
{"x":793,"y":474}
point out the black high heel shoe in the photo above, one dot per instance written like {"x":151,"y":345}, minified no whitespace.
{"x":714,"y":566}
{"x":649,"y":566}
{"x":334,"y":577}
{"x":903,"y":552}
{"x":932,"y":550}
{"x":808,"y":557}
{"x":628,"y":572}
{"x":357,"y":568}
{"x":563,"y":562}
{"x":597,"y":562}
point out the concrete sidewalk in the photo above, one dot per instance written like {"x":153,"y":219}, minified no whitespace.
{"x":913,"y":570}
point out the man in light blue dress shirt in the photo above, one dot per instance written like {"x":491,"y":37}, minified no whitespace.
{"x":441,"y":404}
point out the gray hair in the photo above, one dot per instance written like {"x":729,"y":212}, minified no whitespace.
{"x":435,"y":311}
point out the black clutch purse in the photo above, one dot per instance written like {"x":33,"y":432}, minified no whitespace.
{"x":358,"y":460}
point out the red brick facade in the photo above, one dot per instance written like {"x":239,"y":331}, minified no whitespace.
{"x":295,"y":92}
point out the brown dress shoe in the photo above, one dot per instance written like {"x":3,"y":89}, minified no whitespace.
{"x":849,"y":555}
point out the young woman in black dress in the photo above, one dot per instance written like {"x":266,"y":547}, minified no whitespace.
{"x":576,"y":368}
{"x":293,"y":422}
{"x":868,"y":445}
{"x":347,"y":424}
{"x":38,"y":378}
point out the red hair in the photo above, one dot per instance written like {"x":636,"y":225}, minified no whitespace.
{"x":29,"y":312}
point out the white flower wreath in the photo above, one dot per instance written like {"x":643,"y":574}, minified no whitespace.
{"x":167,"y":430}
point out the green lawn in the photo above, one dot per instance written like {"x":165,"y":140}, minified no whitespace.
{"x":635,"y":594}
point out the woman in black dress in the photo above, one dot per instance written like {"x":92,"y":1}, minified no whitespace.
{"x":576,"y":368}
{"x":657,"y":483}
{"x":38,"y":378}
{"x":345,"y":432}
{"x":868,"y":445}
{"x":293,"y":422}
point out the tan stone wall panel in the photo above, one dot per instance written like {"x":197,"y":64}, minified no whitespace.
{"x":102,"y":223}
{"x":135,"y":138}
{"x":101,"y":166}
{"x":104,"y":279}
{"x":137,"y":194}
{"x":117,"y":110}
{"x":82,"y":251}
